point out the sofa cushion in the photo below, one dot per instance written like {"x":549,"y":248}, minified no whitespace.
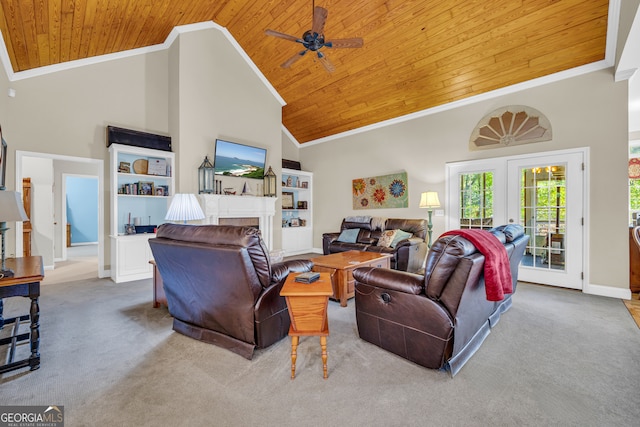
{"x":350,"y":235}
{"x":400,"y":235}
{"x":386,"y":238}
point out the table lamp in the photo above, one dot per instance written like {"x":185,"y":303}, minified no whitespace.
{"x":429,"y":200}
{"x":184,"y":207}
{"x":11,"y":209}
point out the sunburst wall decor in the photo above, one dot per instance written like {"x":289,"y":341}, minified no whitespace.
{"x":512,"y":125}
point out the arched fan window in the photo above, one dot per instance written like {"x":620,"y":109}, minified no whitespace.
{"x":512,"y":125}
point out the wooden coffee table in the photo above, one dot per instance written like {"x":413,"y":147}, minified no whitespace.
{"x":341,"y":265}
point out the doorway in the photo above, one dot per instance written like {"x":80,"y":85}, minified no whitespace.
{"x":544,"y":192}
{"x":60,"y":164}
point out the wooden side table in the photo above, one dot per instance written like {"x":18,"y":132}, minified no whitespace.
{"x":307,"y":303}
{"x":159,"y":296}
{"x":27,"y":274}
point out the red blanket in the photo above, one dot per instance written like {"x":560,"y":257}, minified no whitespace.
{"x":497,"y":271}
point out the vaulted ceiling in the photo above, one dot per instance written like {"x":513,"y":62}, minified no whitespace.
{"x":416,"y":54}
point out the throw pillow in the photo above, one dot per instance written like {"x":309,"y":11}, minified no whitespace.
{"x":400,"y":236}
{"x":349,"y":235}
{"x":386,"y":238}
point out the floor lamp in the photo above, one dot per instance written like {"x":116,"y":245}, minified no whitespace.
{"x":11,"y":209}
{"x":429,"y":200}
{"x":184,"y":207}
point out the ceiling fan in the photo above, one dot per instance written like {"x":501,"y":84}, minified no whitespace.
{"x":313,"y":40}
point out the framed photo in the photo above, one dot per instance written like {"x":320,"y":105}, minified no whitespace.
{"x":157,"y":167}
{"x":305,"y":184}
{"x":295,"y":222}
{"x":302,"y":204}
{"x":145,"y":188}
{"x":287,"y":200}
{"x":3,"y":162}
{"x":159,"y":191}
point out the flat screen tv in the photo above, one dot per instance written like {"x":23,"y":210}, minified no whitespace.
{"x":233,"y":159}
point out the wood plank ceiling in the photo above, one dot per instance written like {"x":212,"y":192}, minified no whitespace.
{"x":416,"y":54}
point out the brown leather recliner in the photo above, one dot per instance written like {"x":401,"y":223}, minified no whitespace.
{"x":221,"y":286}
{"x":438,"y":320}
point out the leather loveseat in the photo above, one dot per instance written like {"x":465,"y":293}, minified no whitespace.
{"x":221,"y":287}
{"x":438,"y":320}
{"x":408,"y":251}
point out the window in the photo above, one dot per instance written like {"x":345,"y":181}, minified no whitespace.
{"x":476,"y":196}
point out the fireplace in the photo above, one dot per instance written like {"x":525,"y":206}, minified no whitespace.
{"x":240,"y":210}
{"x":243,"y":222}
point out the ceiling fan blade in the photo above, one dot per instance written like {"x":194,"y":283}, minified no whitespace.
{"x":319,"y":19}
{"x":351,"y":42}
{"x":282,"y":35}
{"x":289,"y":62}
{"x":328,"y":65}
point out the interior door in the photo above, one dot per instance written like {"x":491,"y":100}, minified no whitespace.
{"x":542,"y":192}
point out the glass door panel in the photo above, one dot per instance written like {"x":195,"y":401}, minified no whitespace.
{"x":543,"y":213}
{"x":476,"y":196}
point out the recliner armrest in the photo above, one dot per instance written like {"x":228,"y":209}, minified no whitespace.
{"x":280,"y":270}
{"x":327,"y":239}
{"x":401,"y":281}
{"x":411,"y":241}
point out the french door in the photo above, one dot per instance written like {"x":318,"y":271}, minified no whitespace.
{"x":543,"y":192}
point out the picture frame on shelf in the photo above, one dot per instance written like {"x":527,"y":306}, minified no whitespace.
{"x":159,"y":191}
{"x":157,"y":166}
{"x":145,"y":188}
{"x":287,"y":200}
{"x":295,"y":222}
{"x":305,"y":184}
{"x":302,"y":204}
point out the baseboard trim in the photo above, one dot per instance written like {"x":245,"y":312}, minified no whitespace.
{"x":607,"y":291}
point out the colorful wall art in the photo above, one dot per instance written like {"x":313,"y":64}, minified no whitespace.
{"x":377,"y":192}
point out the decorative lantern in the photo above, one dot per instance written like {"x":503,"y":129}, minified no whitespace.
{"x":270,"y":183}
{"x":206,"y":175}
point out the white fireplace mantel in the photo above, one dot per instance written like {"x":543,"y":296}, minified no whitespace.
{"x":216,"y":206}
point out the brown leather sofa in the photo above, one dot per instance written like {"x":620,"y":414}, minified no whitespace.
{"x":221,"y":287}
{"x":438,"y":320}
{"x":407,"y":255}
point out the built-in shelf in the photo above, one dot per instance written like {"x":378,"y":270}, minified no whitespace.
{"x":297,"y":222}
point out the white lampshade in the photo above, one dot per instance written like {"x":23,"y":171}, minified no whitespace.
{"x":11,"y":208}
{"x":184,"y":207}
{"x":429,"y":199}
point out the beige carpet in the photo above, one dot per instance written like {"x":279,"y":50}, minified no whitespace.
{"x":81,"y":264}
{"x":558,"y":357}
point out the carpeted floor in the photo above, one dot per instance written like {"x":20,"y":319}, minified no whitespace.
{"x":558,"y":357}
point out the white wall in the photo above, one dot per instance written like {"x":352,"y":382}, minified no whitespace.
{"x":214,"y":94}
{"x":585,"y":111}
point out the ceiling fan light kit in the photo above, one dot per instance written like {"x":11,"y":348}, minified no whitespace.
{"x":314,"y":40}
